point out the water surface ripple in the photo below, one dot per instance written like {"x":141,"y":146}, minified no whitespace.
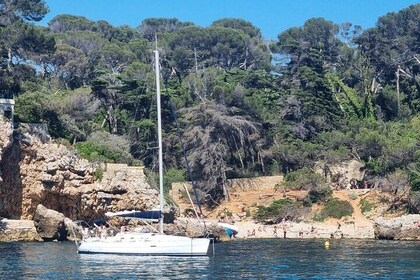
{"x":244,"y":259}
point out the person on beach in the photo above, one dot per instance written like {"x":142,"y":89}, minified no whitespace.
{"x":312,"y":230}
{"x":275,"y":231}
{"x":284,"y":226}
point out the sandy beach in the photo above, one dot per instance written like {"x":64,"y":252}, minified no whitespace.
{"x":249,"y":229}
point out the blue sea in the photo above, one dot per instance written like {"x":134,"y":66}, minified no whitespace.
{"x":241,"y":259}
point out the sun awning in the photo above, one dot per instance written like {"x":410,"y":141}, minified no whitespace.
{"x":152,"y":215}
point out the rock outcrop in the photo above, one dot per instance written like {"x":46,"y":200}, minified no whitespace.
{"x":6,"y":137}
{"x":37,"y":171}
{"x":341,"y":174}
{"x":401,"y":228}
{"x":18,"y":230}
{"x":50,"y":224}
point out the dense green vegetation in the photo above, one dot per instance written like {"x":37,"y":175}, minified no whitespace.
{"x":279,"y":210}
{"x":335,"y":208}
{"x":245,"y":106}
{"x":366,"y":205}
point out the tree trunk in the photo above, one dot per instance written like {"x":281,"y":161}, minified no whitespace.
{"x":225,"y":190}
{"x":9,"y":59}
{"x":196,"y":61}
{"x":239,"y":154}
{"x":398,"y":90}
{"x":261,"y":162}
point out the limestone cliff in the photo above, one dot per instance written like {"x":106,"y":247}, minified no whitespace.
{"x":35,"y":170}
{"x":6,"y":132}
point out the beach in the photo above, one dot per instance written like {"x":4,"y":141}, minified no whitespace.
{"x":249,"y":229}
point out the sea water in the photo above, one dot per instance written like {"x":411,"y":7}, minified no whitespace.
{"x":241,"y":259}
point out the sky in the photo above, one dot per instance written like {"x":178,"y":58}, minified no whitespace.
{"x":271,"y":16}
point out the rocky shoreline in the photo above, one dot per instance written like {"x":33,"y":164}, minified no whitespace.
{"x":406,"y":227}
{"x":401,"y":228}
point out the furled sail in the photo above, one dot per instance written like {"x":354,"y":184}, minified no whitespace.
{"x":151,"y":215}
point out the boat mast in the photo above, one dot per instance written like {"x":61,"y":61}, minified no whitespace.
{"x":159,"y":117}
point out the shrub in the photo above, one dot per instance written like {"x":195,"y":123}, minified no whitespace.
{"x":353,"y":196}
{"x":303,"y":179}
{"x":102,"y":153}
{"x":414,"y":203}
{"x":278,"y":210}
{"x":99,"y":173}
{"x":336,"y":208}
{"x":248,"y":213}
{"x":414,"y":175}
{"x":366,"y":205}
{"x":172,"y":175}
{"x":319,"y":217}
{"x":317,"y":194}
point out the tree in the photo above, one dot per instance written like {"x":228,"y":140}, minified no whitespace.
{"x":392,"y":48}
{"x":14,"y":50}
{"x":237,"y":23}
{"x":314,"y":45}
{"x":15,"y":10}
{"x":107,"y":88}
{"x":214,"y":135}
{"x":71,"y":65}
{"x":312,"y":50}
{"x":152,"y":26}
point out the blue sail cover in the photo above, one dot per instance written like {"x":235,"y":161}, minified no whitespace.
{"x":141,"y":215}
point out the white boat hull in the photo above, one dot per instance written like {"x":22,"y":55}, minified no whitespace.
{"x":146,"y":244}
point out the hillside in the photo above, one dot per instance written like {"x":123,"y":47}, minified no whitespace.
{"x":247,"y":194}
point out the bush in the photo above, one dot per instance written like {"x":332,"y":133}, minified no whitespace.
{"x":102,"y":153}
{"x":366,"y":205}
{"x":414,"y":176}
{"x":353,"y":196}
{"x":414,"y":203}
{"x":247,"y":213}
{"x":317,"y":194}
{"x":278,"y":210}
{"x":336,"y":208}
{"x":303,"y":179}
{"x":319,"y":217}
{"x":172,"y":175}
{"x":99,"y":173}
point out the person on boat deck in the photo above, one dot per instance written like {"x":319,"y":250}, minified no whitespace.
{"x":103,"y":231}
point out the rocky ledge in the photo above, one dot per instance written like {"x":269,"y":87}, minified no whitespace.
{"x":18,"y":230}
{"x":400,"y":228}
{"x":35,"y":170}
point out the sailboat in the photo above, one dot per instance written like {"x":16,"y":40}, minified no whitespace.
{"x":141,"y":243}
